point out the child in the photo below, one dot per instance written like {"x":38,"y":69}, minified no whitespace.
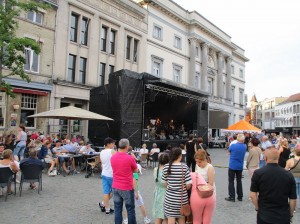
{"x":138,"y":200}
{"x":160,"y":190}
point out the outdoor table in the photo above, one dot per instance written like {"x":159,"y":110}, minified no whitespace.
{"x":89,"y":156}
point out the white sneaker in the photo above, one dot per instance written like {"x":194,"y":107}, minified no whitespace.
{"x":125,"y":221}
{"x":147,"y":220}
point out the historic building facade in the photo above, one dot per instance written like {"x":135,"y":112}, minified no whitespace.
{"x":31,"y":97}
{"x":93,"y":39}
{"x":187,"y":48}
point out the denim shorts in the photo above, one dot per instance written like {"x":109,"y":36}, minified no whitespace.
{"x":107,"y":184}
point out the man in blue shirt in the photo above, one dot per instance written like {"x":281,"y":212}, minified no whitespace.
{"x":236,"y":163}
{"x":32,"y":160}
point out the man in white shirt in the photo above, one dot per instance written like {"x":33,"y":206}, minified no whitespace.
{"x":107,"y":174}
{"x":87,"y":149}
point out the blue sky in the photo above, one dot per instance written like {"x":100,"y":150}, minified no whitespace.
{"x":269,"y":31}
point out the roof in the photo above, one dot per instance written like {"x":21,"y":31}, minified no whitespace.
{"x":293,"y":98}
{"x":253,"y":99}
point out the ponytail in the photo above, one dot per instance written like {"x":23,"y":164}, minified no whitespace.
{"x":175,"y":153}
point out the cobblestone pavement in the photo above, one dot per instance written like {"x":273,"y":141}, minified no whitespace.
{"x":74,"y":199}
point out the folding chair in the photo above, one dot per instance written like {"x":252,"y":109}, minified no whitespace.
{"x":31,"y":173}
{"x":6,"y":177}
{"x":144,"y":159}
{"x":92,"y":163}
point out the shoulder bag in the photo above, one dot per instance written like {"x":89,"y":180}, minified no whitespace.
{"x":204,"y":190}
{"x":185,"y":210}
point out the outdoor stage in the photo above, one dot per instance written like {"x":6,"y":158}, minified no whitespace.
{"x":133,"y":100}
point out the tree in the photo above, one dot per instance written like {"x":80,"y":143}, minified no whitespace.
{"x":12,"y":48}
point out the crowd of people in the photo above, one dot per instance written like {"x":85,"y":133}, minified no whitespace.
{"x":185,"y":189}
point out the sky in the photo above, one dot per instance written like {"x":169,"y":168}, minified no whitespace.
{"x":269,"y":32}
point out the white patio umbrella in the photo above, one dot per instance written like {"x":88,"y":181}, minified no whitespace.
{"x":71,"y":113}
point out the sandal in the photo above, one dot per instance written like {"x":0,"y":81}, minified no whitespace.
{"x":32,"y":187}
{"x":10,"y":193}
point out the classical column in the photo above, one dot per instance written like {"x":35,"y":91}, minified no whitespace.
{"x":228,"y":79}
{"x":204,"y":67}
{"x":220,"y":90}
{"x":192,"y":64}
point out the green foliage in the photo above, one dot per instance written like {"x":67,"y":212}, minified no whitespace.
{"x":12,"y":55}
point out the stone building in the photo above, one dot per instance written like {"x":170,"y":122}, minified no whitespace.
{"x":31,"y":97}
{"x":187,"y":48}
{"x":287,"y":115}
{"x":93,"y":39}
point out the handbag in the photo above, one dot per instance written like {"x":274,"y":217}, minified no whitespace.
{"x":185,"y":210}
{"x":295,"y":165}
{"x":204,"y":190}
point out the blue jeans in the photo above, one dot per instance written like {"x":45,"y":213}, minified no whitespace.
{"x":127,"y":197}
{"x":297,"y":180}
{"x":262,"y":163}
{"x":19,"y":150}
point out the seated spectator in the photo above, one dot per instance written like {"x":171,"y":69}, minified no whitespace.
{"x":9,"y":142}
{"x":46,"y":155}
{"x":154,"y":149}
{"x":144,"y":150}
{"x":67,"y":148}
{"x":32,"y":160}
{"x":8,"y":161}
{"x":87,"y":149}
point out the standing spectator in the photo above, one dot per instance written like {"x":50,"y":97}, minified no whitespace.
{"x":20,"y":143}
{"x":160,"y":190}
{"x":9,"y":142}
{"x":32,"y":160}
{"x":233,"y":140}
{"x":175,"y":174}
{"x":202,"y":208}
{"x":123,"y":166}
{"x":273,"y":191}
{"x":107,"y":174}
{"x":284,"y":153}
{"x":293,"y":165}
{"x":265,"y":143}
{"x":253,"y":157}
{"x":237,"y":153}
{"x":190,"y":147}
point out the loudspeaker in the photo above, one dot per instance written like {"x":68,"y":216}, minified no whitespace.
{"x":145,"y":136}
{"x":195,"y":133}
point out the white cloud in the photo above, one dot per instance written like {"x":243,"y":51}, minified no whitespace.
{"x":269,"y":31}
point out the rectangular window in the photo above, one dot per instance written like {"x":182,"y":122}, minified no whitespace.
{"x":157,"y":32}
{"x":177,"y":75}
{"x":135,"y":49}
{"x":197,"y":80}
{"x":32,"y":61}
{"x":241,"y":73}
{"x":112,"y":41}
{"x":102,"y":74}
{"x":241,"y":98}
{"x":35,"y":17}
{"x":2,"y":107}
{"x":74,"y":27}
{"x":128,"y":46}
{"x":111,"y":69}
{"x":82,"y":70}
{"x":177,"y":42}
{"x":156,"y":69}
{"x":84,"y":31}
{"x":197,"y":52}
{"x":232,"y":69}
{"x":210,"y":86}
{"x":28,"y":107}
{"x":71,"y":68}
{"x":103,"y":38}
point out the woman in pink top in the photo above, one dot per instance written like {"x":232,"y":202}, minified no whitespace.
{"x":202,"y":208}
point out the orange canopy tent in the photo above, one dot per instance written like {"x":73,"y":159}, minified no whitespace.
{"x":242,"y":126}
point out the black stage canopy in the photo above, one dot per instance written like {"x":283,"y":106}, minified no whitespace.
{"x":132,"y":99}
